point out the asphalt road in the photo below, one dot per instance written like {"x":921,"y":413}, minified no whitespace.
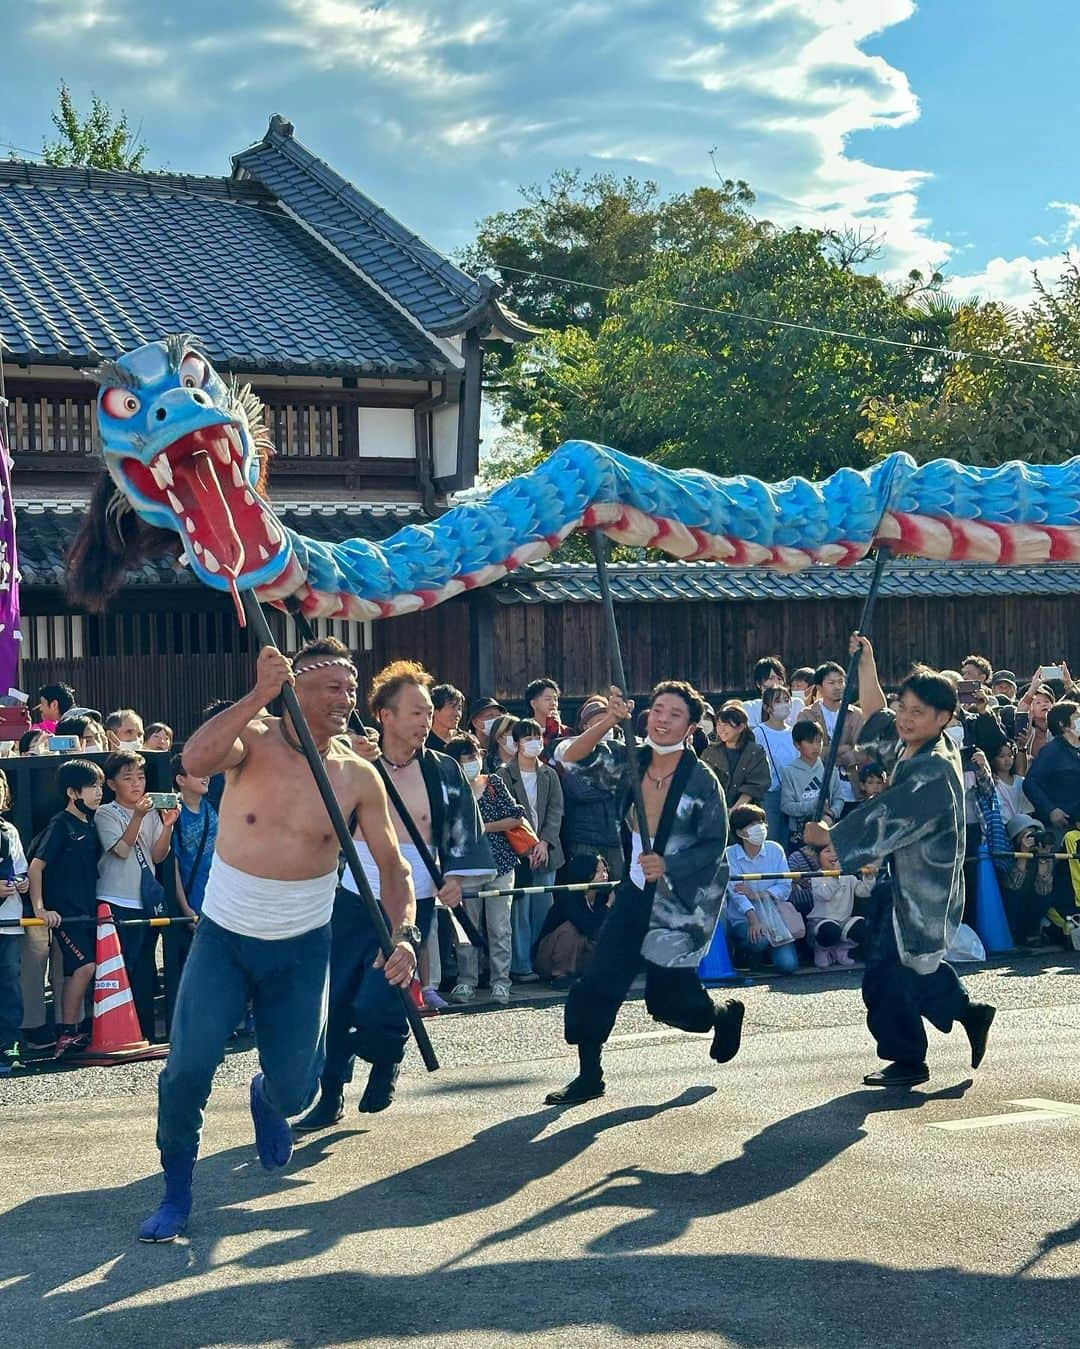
{"x":772,"y":1202}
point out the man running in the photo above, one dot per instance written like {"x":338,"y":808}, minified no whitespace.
{"x":264,"y":933}
{"x":665,"y":911}
{"x":917,"y":825}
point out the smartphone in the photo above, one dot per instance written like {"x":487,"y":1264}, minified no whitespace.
{"x":965,"y":691}
{"x":164,"y":800}
{"x":63,"y":744}
{"x":1050,"y":672}
{"x":1021,"y":721}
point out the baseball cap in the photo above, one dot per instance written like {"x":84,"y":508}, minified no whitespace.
{"x":1019,"y":823}
{"x":485,"y":705}
{"x":1003,"y":677}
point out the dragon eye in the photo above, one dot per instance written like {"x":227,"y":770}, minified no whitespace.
{"x":120,"y":403}
{"x":193,"y":372}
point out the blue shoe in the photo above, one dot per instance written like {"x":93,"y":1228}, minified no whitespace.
{"x":172,"y":1213}
{"x":273,"y":1137}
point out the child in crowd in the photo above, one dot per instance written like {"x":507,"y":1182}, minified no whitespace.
{"x":873,"y":778}
{"x":837,"y":923}
{"x":159,"y":736}
{"x":13,"y":884}
{"x":1009,"y":785}
{"x":193,"y":838}
{"x":754,"y":923}
{"x":1064,"y":913}
{"x":63,"y":885}
{"x":800,"y":782}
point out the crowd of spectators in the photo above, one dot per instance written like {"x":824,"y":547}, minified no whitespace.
{"x":1019,"y":742}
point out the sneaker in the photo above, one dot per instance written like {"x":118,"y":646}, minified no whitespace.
{"x":39,"y":1037}
{"x":463,"y":993}
{"x":898,"y":1075}
{"x":529,"y":977}
{"x":433,"y":1000}
{"x":67,"y":1040}
{"x":822,"y":959}
{"x":500,"y":992}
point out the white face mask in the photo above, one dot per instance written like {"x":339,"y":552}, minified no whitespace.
{"x":471,"y":768}
{"x":533,"y":748}
{"x":663,"y":749}
{"x":486,"y":726}
{"x":509,"y":744}
{"x":781,"y":710}
{"x":707,"y":728}
{"x":1075,"y":724}
{"x":755,"y":834}
{"x":955,"y":734}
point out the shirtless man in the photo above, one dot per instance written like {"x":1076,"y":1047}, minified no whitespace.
{"x":264,"y":933}
{"x":366,"y":1020}
{"x":664,"y":913}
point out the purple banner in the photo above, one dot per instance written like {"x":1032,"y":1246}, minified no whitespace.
{"x":10,"y":636}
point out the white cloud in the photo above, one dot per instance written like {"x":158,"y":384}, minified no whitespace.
{"x":1010,"y":280}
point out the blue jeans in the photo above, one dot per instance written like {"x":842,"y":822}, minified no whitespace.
{"x":286,"y":981}
{"x":527,"y":914}
{"x":11,"y":1004}
{"x":784,"y":958}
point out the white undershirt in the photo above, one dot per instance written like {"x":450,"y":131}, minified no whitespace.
{"x":529,"y":780}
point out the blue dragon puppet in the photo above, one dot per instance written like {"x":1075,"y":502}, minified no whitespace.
{"x":186,"y":455}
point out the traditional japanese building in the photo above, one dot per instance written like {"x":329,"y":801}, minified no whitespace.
{"x":364,"y":343}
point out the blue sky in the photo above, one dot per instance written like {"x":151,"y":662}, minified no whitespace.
{"x":950,"y":126}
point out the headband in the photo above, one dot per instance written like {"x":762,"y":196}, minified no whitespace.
{"x":323,"y":664}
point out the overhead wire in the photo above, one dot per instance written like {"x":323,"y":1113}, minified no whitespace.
{"x":822,"y":330}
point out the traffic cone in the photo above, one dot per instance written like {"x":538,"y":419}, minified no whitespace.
{"x":117,"y":1036}
{"x":716,"y":966}
{"x":990,"y":921}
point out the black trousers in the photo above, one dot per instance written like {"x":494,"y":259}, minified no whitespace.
{"x":897,"y":998}
{"x":674,"y":997}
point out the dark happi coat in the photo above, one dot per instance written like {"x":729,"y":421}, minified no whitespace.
{"x":690,"y":893}
{"x":917,"y":822}
{"x":461,"y":846}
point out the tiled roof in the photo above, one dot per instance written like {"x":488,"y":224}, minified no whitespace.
{"x":659,"y":582}
{"x":45,"y":531}
{"x":92,"y":264}
{"x":421,"y":280}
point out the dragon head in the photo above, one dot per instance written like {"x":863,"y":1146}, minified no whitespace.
{"x":187,"y":451}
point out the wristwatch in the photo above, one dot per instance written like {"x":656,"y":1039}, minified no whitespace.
{"x":406,"y":932}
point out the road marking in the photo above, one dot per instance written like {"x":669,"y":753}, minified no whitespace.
{"x":1034,"y":1108}
{"x":651,"y":1035}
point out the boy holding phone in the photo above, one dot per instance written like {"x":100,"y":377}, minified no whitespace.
{"x":63,"y":884}
{"x":13,"y":884}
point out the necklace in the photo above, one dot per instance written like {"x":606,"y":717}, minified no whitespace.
{"x":660,"y":783}
{"x":295,"y":744}
{"x":397,"y":767}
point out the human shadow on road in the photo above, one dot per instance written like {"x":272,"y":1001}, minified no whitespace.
{"x":484,"y":1172}
{"x":778,"y":1158}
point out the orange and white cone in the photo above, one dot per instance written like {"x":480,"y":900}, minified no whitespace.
{"x":117,"y":1036}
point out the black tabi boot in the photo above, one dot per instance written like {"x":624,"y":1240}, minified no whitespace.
{"x":589,"y":1083}
{"x":327,"y":1111}
{"x":977,"y":1021}
{"x":727,"y":1031}
{"x":379,"y":1092}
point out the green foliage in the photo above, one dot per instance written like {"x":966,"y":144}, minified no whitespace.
{"x":986,"y":412}
{"x":679,"y":371}
{"x":99,"y":140}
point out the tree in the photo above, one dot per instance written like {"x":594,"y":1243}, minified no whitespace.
{"x":99,"y":140}
{"x":685,"y":367}
{"x":986,"y":410}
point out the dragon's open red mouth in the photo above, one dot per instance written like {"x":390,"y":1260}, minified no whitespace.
{"x":201,"y":479}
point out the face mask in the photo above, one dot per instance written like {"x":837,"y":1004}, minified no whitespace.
{"x":663,"y":749}
{"x":756,"y":834}
{"x":486,"y":726}
{"x":955,"y":734}
{"x":781,"y":710}
{"x":471,"y":769}
{"x":707,"y":728}
{"x":509,"y":744}
{"x":1075,"y":724}
{"x":131,"y":744}
{"x":533,"y":748}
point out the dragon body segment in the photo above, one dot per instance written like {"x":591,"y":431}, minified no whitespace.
{"x":187,"y":452}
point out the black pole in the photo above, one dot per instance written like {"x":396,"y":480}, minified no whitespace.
{"x":618,"y":678}
{"x":866,"y":624}
{"x":261,"y":628}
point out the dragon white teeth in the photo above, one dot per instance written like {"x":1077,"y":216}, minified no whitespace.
{"x":175,"y":503}
{"x":272,"y":531}
{"x":197,"y":546}
{"x":237,"y":476}
{"x":264,"y":556}
{"x":222,"y":451}
{"x":162,"y":471}
{"x":210,"y":562}
{"x":249,"y":500}
{"x":189,"y":525}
